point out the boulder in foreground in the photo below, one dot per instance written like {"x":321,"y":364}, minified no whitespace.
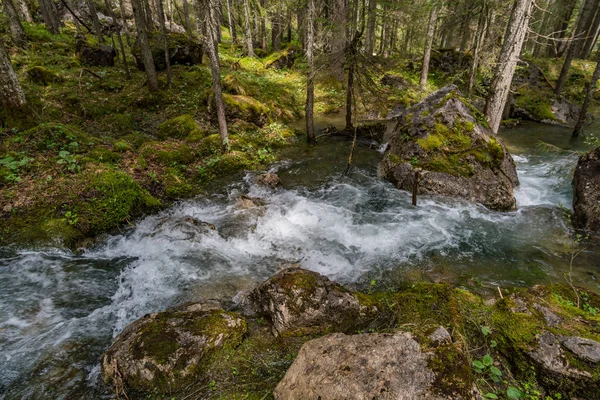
{"x":443,"y":143}
{"x":367,"y":366}
{"x":163,"y":351}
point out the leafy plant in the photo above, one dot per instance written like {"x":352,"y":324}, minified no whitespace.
{"x":13,"y":166}
{"x":486,"y":367}
{"x":71,"y":217}
{"x":66,"y":158}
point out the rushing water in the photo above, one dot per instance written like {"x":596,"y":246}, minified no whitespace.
{"x":59,"y":311}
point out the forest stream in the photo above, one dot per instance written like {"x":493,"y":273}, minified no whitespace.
{"x":59,"y":310}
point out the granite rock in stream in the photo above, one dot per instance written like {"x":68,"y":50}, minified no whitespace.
{"x":163,"y":351}
{"x":444,"y":144}
{"x":586,"y":188}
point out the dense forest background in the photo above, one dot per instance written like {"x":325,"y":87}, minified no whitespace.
{"x":113,"y":109}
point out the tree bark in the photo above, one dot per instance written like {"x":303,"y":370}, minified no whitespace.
{"x":165,"y":39}
{"x":24,"y":10}
{"x":11,"y":94}
{"x":249,"y":43}
{"x":95,"y":21}
{"x":142,"y":31}
{"x":276,"y":30}
{"x":17,"y":32}
{"x":49,"y":16}
{"x":584,"y":21}
{"x":186,"y":17}
{"x":589,"y":90}
{"x":592,"y":36}
{"x":339,"y":40}
{"x":119,"y":38}
{"x":371,"y":20}
{"x":310,"y":79}
{"x":479,"y":40}
{"x":507,"y":62}
{"x":428,"y":45}
{"x":215,"y":70}
{"x":231,"y":21}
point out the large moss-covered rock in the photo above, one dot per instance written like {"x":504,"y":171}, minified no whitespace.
{"x":180,"y":127}
{"x":240,"y":107}
{"x":95,"y":56}
{"x":586,"y":191}
{"x":284,"y":58}
{"x":299,"y":301}
{"x":182,"y":50}
{"x":447,"y":142}
{"x":367,"y":366}
{"x":163,"y":352}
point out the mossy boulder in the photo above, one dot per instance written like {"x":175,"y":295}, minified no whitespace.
{"x":164,"y":352}
{"x":43,"y":76}
{"x":168,"y":153}
{"x":232,"y":85}
{"x":245,"y":108}
{"x":298,"y":301}
{"x":94,"y":55}
{"x":180,"y":127}
{"x":284,"y":58}
{"x":53,"y":136}
{"x":586,"y":193}
{"x":443,"y":142}
{"x":183,"y":50}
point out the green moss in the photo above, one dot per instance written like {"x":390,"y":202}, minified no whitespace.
{"x":109,"y":199}
{"x":118,"y":124}
{"x":43,"y":76}
{"x":454,"y":377}
{"x":537,"y":102}
{"x":103,"y":155}
{"x":209,"y":146}
{"x":168,"y":153}
{"x":176,"y":185}
{"x":52,"y":136}
{"x":232,"y":162}
{"x":431,"y":142}
{"x":179,"y":127}
{"x":122,"y":146}
{"x":136,"y":139}
{"x":231,"y":84}
{"x":246,"y":108}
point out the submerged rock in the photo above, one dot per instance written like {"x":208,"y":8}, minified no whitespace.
{"x":299,"y":301}
{"x":367,"y":366}
{"x":586,"y":192}
{"x":446,"y":140}
{"x":269,"y":179}
{"x":163,"y":351}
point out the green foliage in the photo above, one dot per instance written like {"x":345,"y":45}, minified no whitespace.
{"x":67,"y":159}
{"x":9,"y":168}
{"x":537,"y":103}
{"x":43,"y":76}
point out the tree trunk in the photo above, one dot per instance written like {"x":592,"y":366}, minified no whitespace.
{"x":142,"y":31}
{"x":263,"y":28}
{"x":428,"y":45}
{"x":119,"y":38}
{"x":479,"y":40}
{"x":11,"y":94}
{"x":567,"y":8}
{"x":165,"y":39}
{"x":147,"y":15}
{"x":276,"y":30}
{"x":17,"y":32}
{"x":186,"y":17}
{"x":507,"y":62}
{"x":95,"y":21}
{"x":589,"y":90}
{"x":49,"y":16}
{"x":231,"y":20}
{"x":215,"y":70}
{"x":24,"y":10}
{"x":338,"y":45}
{"x":310,"y":79}
{"x":543,"y":30}
{"x":584,"y":22}
{"x":592,"y":36}
{"x":122,"y":9}
{"x":249,"y":43}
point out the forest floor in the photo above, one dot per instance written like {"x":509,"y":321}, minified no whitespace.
{"x":97,"y":150}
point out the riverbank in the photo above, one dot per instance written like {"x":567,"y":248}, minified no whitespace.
{"x":453,"y":343}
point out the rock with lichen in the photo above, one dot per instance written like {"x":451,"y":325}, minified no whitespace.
{"x":367,"y":366}
{"x":183,"y":50}
{"x":586,"y":193}
{"x":299,"y":301}
{"x":444,"y":143}
{"x":164,"y":351}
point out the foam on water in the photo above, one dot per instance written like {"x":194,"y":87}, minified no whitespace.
{"x":56,"y":304}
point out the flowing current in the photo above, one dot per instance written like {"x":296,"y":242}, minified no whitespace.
{"x":59,"y":311}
